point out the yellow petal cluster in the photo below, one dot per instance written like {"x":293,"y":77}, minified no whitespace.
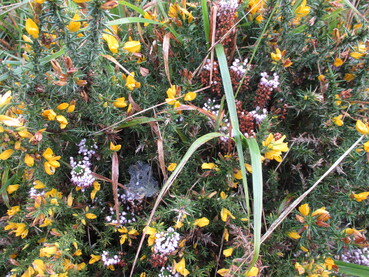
{"x":32,"y":28}
{"x":201,"y":222}
{"x":112,"y":42}
{"x":277,"y":56}
{"x":114,"y":147}
{"x":275,"y":147}
{"x":362,"y":128}
{"x":180,"y":267}
{"x":302,"y":10}
{"x":254,"y":271}
{"x":224,"y":213}
{"x":19,"y":229}
{"x":6,"y":154}
{"x":361,"y":196}
{"x":51,"y":161}
{"x":338,"y":120}
{"x":132,"y":46}
{"x":171,"y":167}
{"x":120,"y":102}
{"x":131,"y":83}
{"x":74,"y":25}
{"x":293,"y":235}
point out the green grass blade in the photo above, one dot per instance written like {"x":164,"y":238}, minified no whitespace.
{"x":227,"y":84}
{"x":257,"y":175}
{"x":137,"y":121}
{"x":197,"y":143}
{"x":352,"y":7}
{"x":133,"y":7}
{"x":205,"y":19}
{"x":257,"y":192}
{"x":128,"y":20}
{"x":352,"y":269}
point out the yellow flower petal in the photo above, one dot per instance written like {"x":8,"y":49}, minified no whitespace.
{"x":132,"y":46}
{"x":338,"y":120}
{"x":12,"y":188}
{"x":362,"y":128}
{"x":6,"y":154}
{"x":32,"y":28}
{"x":114,"y":147}
{"x":171,"y":167}
{"x":208,"y":166}
{"x":29,"y":160}
{"x":224,"y":213}
{"x":62,"y":106}
{"x":39,"y":266}
{"x":223,"y":271}
{"x":338,"y":62}
{"x":91,"y":216}
{"x":74,"y":25}
{"x":361,"y":196}
{"x":181,"y":267}
{"x":94,"y":258}
{"x":254,"y":271}
{"x":304,"y":209}
{"x":294,"y":235}
{"x":190,"y":96}
{"x":120,"y":102}
{"x":201,"y":222}
{"x":10,"y":121}
{"x":228,"y":252}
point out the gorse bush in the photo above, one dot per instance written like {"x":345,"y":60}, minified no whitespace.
{"x":138,"y":137}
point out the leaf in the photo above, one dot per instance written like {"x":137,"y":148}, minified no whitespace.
{"x":133,"y":7}
{"x":257,"y":176}
{"x":352,"y":269}
{"x":128,"y":20}
{"x":205,"y":19}
{"x":114,"y":178}
{"x":166,"y":46}
{"x":137,"y":121}
{"x":197,"y":143}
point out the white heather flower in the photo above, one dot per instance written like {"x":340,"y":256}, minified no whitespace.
{"x":166,"y":242}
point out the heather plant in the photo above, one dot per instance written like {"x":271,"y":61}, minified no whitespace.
{"x":184,"y":138}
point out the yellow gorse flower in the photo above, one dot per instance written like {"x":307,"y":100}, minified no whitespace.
{"x":5,"y":98}
{"x":302,"y":10}
{"x":131,"y":83}
{"x":224,"y":213}
{"x":171,"y":167}
{"x":275,"y":147}
{"x":51,"y":161}
{"x":304,"y":209}
{"x":338,"y":120}
{"x":120,"y":102}
{"x":74,"y":25}
{"x":94,"y":259}
{"x":362,"y":128}
{"x":254,"y":271}
{"x":19,"y":229}
{"x":112,"y":42}
{"x":227,"y":252}
{"x":10,"y":121}
{"x":132,"y":46}
{"x":114,"y":147}
{"x":32,"y":28}
{"x":277,"y":56}
{"x":361,"y":196}
{"x":180,"y":267}
{"x":293,"y":235}
{"x":6,"y":154}
{"x":201,"y":222}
